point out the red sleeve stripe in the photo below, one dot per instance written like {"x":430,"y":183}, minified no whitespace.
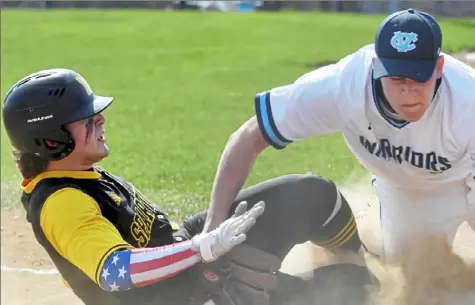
{"x":155,"y":264}
{"x":158,"y":274}
{"x":160,"y":262}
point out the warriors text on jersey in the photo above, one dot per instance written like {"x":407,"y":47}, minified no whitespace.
{"x":434,"y":152}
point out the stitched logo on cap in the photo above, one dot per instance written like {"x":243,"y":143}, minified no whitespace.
{"x":403,"y":41}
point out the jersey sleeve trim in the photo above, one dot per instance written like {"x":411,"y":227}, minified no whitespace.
{"x":266,"y":121}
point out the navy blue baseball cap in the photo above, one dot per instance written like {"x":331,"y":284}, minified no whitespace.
{"x":408,"y":44}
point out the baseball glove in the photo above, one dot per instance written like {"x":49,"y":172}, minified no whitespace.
{"x":245,"y":276}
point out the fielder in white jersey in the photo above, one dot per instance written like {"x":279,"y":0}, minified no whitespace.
{"x":405,"y":109}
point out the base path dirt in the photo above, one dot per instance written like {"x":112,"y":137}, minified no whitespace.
{"x":28,"y":275}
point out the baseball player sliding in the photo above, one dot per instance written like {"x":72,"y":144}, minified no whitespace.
{"x":405,"y":109}
{"x":113,"y":246}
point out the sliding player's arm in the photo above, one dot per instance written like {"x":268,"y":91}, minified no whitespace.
{"x":72,"y":222}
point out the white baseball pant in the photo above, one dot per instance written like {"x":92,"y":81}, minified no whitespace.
{"x":406,"y":214}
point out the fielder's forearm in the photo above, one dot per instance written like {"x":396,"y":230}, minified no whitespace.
{"x":236,"y":162}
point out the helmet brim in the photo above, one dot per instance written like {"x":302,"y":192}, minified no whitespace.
{"x":99,"y":104}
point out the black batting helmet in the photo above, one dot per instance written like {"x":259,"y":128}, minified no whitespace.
{"x":38,"y":106}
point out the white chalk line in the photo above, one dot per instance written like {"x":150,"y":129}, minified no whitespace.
{"x":30,"y":270}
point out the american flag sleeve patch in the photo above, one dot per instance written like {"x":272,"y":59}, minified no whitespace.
{"x":126,"y":269}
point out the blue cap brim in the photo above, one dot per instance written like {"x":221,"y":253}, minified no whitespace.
{"x":419,"y":70}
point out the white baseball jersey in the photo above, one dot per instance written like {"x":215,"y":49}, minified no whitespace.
{"x":434,"y":152}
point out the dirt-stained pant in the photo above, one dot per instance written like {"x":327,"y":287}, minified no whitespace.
{"x":409,"y":217}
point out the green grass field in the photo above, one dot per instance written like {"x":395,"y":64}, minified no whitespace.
{"x":183,"y":82}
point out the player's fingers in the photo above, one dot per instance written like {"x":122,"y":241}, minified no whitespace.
{"x":239,"y":239}
{"x":243,"y":223}
{"x":257,"y":209}
{"x":240,"y":224}
{"x":240,"y":209}
{"x":246,"y":225}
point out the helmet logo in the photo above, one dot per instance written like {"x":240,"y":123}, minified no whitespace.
{"x":83,"y":83}
{"x":41,"y":118}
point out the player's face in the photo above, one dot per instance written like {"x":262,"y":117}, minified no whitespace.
{"x":409,"y":98}
{"x":89,"y":138}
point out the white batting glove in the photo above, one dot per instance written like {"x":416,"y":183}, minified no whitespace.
{"x":232,"y":232}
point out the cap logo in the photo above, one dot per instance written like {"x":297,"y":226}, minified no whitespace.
{"x":403,"y":41}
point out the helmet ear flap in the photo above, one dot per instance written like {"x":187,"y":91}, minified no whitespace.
{"x":63,"y":151}
{"x":55,"y":150}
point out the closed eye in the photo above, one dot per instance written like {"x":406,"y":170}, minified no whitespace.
{"x":397,"y":79}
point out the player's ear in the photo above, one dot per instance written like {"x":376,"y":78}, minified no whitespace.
{"x":440,"y":66}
